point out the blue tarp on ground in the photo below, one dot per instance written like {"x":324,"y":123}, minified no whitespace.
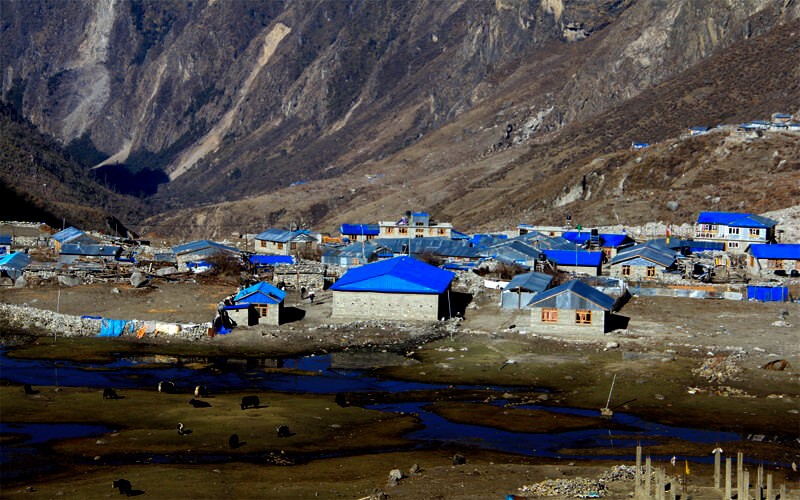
{"x":768,"y":293}
{"x":112,"y":327}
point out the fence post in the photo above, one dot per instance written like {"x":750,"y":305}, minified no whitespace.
{"x":728,"y":472}
{"x":739,"y":474}
{"x":716,"y":469}
{"x":647,"y":467}
{"x":769,"y":486}
{"x":637,"y":489}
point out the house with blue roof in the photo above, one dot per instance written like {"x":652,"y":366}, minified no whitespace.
{"x":609,"y":243}
{"x":195,"y":254}
{"x":571,"y":307}
{"x":522,"y":288}
{"x":356,"y":254}
{"x":359,"y":232}
{"x":643,"y":262}
{"x":77,"y":253}
{"x":260,"y":304}
{"x":13,"y":265}
{"x":284,"y":242}
{"x":782,"y":259}
{"x":397,"y":289}
{"x":71,"y":235}
{"x":5,"y":244}
{"x":735,"y":230}
{"x":576,"y":261}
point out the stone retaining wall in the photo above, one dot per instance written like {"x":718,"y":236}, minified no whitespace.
{"x":42,"y":321}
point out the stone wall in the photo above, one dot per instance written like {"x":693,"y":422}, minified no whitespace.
{"x":566,"y":322}
{"x":386,"y":306}
{"x":44,"y":322}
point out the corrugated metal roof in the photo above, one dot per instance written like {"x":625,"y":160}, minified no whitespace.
{"x":654,"y":254}
{"x":195,"y":246}
{"x":573,"y":258}
{"x":397,"y":275}
{"x":444,"y":247}
{"x":542,"y":241}
{"x":532,"y":282}
{"x":359,"y":229}
{"x":513,"y":250}
{"x":735,"y":219}
{"x":609,"y":240}
{"x":573,"y":295}
{"x":777,"y":251}
{"x":267,"y":260}
{"x":67,"y":234}
{"x":284,"y":236}
{"x":90,"y":250}
{"x":16,"y":260}
{"x":260,"y":293}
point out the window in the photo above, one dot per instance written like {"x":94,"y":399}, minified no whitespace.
{"x":263,"y":244}
{"x":280,"y":246}
{"x":626,"y":270}
{"x":440,"y":231}
{"x":549,"y":315}
{"x":733,"y":244}
{"x":775,"y":264}
{"x":420,"y":224}
{"x":755,"y":232}
{"x":293,"y":246}
{"x":651,"y":271}
{"x":402,"y":230}
{"x":419,"y":236}
{"x":262,"y":310}
{"x":389,"y":230}
{"x":733,"y":230}
{"x":420,"y":231}
{"x":583,"y":317}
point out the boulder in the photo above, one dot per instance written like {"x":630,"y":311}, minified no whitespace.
{"x":166,"y":271}
{"x":21,"y":282}
{"x":138,"y":280}
{"x":69,"y":280}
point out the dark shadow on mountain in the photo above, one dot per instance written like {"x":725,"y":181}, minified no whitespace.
{"x":141,"y":183}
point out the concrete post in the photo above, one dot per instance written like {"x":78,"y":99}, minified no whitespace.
{"x":769,"y":487}
{"x":716,"y":469}
{"x":783,"y":490}
{"x":660,"y":483}
{"x":647,"y":468}
{"x":746,"y":486}
{"x":637,"y":489}
{"x":739,"y":473}
{"x":728,"y":471}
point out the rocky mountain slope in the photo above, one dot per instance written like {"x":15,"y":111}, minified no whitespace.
{"x":249,"y":113}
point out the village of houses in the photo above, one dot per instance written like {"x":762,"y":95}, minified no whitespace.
{"x":414,"y":267}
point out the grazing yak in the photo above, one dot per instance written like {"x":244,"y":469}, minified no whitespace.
{"x":233,"y":441}
{"x":124,"y":486}
{"x":166,"y":387}
{"x":199,"y":404}
{"x":201,"y":391}
{"x":29,"y":390}
{"x":109,"y":393}
{"x":250,"y":402}
{"x":283,"y":431}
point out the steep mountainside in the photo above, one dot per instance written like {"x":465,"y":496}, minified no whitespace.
{"x":366,"y":103}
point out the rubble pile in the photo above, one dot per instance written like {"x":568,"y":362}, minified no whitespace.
{"x":720,"y":368}
{"x":580,"y":487}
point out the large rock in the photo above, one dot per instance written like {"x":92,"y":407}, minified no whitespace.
{"x":69,"y":280}
{"x":166,"y":271}
{"x":138,"y":280}
{"x":21,"y":282}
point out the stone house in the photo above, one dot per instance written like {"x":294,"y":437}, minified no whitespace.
{"x":571,"y":307}
{"x":359,"y":232}
{"x":642,"y":263}
{"x":260,"y":304}
{"x":771,"y":260}
{"x":415,"y":225}
{"x":194,"y":255}
{"x":400,"y":289}
{"x":284,"y":242}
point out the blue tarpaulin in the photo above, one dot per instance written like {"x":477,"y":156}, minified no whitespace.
{"x":112,"y":327}
{"x":768,"y":293}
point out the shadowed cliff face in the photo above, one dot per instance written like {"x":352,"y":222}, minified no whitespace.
{"x":234,"y":99}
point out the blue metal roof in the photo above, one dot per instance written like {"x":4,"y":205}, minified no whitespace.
{"x":90,"y":250}
{"x":283,"y":235}
{"x":735,"y":219}
{"x":513,"y":250}
{"x":359,"y":229}
{"x":195,"y":246}
{"x":573,"y":258}
{"x":5,"y":239}
{"x":778,"y":251}
{"x":271,"y":260}
{"x":444,"y":247}
{"x":578,"y":290}
{"x":420,"y":214}
{"x":397,"y":275}
{"x":541,"y":241}
{"x":487,"y":240}
{"x":654,"y":254}
{"x":458,"y":235}
{"x":16,"y":260}
{"x":67,"y":234}
{"x":609,"y":240}
{"x":532,"y":282}
{"x":260,"y":293}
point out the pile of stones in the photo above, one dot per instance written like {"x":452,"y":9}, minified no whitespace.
{"x":720,"y":369}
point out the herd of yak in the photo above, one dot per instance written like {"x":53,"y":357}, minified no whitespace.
{"x":201,"y":391}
